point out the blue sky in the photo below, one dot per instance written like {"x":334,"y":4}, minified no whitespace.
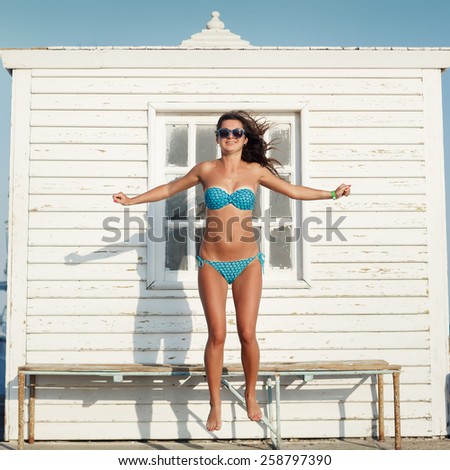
{"x":40,"y":23}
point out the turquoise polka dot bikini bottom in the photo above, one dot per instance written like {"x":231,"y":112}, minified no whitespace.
{"x":230,"y":270}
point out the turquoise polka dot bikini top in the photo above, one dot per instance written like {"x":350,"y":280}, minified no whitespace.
{"x":216,"y":198}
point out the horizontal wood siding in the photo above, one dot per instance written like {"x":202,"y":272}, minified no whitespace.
{"x":87,"y":297}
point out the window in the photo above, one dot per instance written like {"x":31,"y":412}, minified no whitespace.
{"x":181,"y":140}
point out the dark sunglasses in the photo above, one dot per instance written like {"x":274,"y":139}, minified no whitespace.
{"x":224,"y":133}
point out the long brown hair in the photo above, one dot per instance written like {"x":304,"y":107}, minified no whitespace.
{"x":256,"y":148}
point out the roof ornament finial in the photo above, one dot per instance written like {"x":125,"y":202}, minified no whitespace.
{"x":214,"y":22}
{"x":216,"y":36}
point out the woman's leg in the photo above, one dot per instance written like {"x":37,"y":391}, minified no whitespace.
{"x":247,"y":295}
{"x":213,"y":293}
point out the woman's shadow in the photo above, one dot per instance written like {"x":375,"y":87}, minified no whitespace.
{"x":162,"y":330}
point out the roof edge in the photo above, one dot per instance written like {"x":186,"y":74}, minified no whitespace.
{"x":248,"y":57}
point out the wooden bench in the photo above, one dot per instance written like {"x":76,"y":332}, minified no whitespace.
{"x":271,"y":372}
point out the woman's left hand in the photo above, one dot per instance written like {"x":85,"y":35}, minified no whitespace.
{"x":342,"y":190}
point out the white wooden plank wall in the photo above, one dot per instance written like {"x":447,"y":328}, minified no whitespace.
{"x":87,"y":298}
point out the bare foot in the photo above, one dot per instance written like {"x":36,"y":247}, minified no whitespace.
{"x":214,"y":422}
{"x":254,"y":412}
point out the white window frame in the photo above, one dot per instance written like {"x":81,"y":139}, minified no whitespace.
{"x":156,"y":173}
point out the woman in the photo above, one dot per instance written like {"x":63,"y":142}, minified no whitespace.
{"x":229,"y":252}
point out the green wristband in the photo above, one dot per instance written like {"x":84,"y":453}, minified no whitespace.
{"x":333,"y":195}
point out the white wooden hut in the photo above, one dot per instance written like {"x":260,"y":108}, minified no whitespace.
{"x":89,"y":284}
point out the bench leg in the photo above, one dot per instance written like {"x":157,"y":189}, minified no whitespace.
{"x":270,"y":409}
{"x":21,"y":404}
{"x":380,"y":382}
{"x":32,"y":409}
{"x":278,"y":405}
{"x":398,"y":435}
{"x":241,"y":399}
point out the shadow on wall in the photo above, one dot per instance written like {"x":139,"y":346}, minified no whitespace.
{"x":447,"y":394}
{"x":3,"y":287}
{"x":162,"y":333}
{"x":2,"y":359}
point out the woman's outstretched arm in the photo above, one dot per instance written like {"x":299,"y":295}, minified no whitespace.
{"x":163,"y":191}
{"x":273,"y":182}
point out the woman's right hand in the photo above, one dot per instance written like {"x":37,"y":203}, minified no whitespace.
{"x":121,"y":198}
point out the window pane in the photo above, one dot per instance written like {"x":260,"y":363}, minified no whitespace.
{"x":258,"y":234}
{"x":176,"y":144}
{"x":200,"y":208}
{"x":280,"y":248}
{"x":198,"y":239}
{"x":280,"y":205}
{"x":176,"y":206}
{"x":282,"y":141}
{"x":257,"y":209}
{"x":206,"y":143}
{"x":176,"y":249}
